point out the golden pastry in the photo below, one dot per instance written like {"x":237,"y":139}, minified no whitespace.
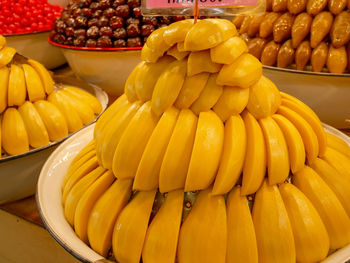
{"x":340,"y":31}
{"x":256,"y":46}
{"x":337,"y":59}
{"x":254,"y":25}
{"x":286,"y":54}
{"x":279,"y":5}
{"x":314,"y":7}
{"x":266,"y":25}
{"x":336,"y":6}
{"x":301,"y":28}
{"x":296,"y":6}
{"x":302,"y":55}
{"x":237,"y":21}
{"x":319,"y":57}
{"x":320,"y":27}
{"x":282,"y":27}
{"x":245,"y":24}
{"x":269,"y":53}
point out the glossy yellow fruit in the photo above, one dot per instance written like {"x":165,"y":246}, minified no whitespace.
{"x":232,"y":159}
{"x":277,"y":152}
{"x":163,"y":232}
{"x":55,"y":123}
{"x":129,"y":87}
{"x":87,"y":202}
{"x":34,"y":85}
{"x":176,"y":32}
{"x":45,"y":76}
{"x":2,"y":41}
{"x":172,"y":176}
{"x":4,"y":80}
{"x":244,"y":72}
{"x":199,"y":62}
{"x":264,"y":98}
{"x":191,"y":90}
{"x":254,"y":166}
{"x":6,"y":55}
{"x":241,"y":239}
{"x":310,"y":235}
{"x":102,"y":218}
{"x":131,"y":226}
{"x":305,"y":130}
{"x":208,"y":33}
{"x":339,"y":161}
{"x":174,"y":52}
{"x":150,"y":55}
{"x":209,"y":95}
{"x":338,"y":144}
{"x":133,"y":142}
{"x":156,"y":41}
{"x":37,"y":133}
{"x":203,"y":234}
{"x":17,"y":91}
{"x":232,"y":101}
{"x":14,"y":137}
{"x":272,"y":226}
{"x":228,"y":51}
{"x":327,"y":205}
{"x":88,"y":98}
{"x":168,"y":86}
{"x":206,"y":152}
{"x":147,"y":174}
{"x":295,"y":145}
{"x":147,"y":76}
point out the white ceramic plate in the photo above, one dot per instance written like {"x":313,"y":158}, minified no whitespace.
{"x":19,"y":173}
{"x":327,"y":94}
{"x":49,"y":197}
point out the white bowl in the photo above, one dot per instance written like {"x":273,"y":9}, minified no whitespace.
{"x":35,"y":46}
{"x":327,"y":94}
{"x":49,"y":197}
{"x":19,"y":173}
{"x":107,"y":68}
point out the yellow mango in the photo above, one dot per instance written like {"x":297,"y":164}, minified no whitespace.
{"x":209,"y":95}
{"x":232,"y":159}
{"x":310,"y":235}
{"x":232,"y":101}
{"x":241,"y":239}
{"x":133,"y":142}
{"x":147,"y":75}
{"x":254,"y":167}
{"x":103,"y":219}
{"x":172,"y":176}
{"x":244,"y":72}
{"x":174,"y":52}
{"x":129,"y":88}
{"x":209,"y":33}
{"x":339,"y":161}
{"x":327,"y":205}
{"x":206,"y":152}
{"x":150,"y":55}
{"x":338,"y":144}
{"x":147,"y":174}
{"x":277,"y":152}
{"x":273,"y":229}
{"x":156,"y":41}
{"x":191,"y":90}
{"x":131,"y":226}
{"x":168,"y":86}
{"x":203,"y":235}
{"x":228,"y":51}
{"x":176,"y":32}
{"x":199,"y":62}
{"x":163,"y":232}
{"x":264,"y":98}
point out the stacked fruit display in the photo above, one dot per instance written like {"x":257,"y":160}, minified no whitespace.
{"x":33,"y":112}
{"x":27,"y":16}
{"x":204,"y":160}
{"x":300,"y":33}
{"x":106,"y":24}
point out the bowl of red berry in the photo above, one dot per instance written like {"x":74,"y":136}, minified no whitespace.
{"x":26,"y":25}
{"x":102,"y":39}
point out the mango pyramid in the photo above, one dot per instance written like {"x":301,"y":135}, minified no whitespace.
{"x":33,"y":112}
{"x":204,"y":160}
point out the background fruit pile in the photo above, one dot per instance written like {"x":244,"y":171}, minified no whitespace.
{"x":199,"y":135}
{"x":27,"y":16}
{"x":33,"y":112}
{"x":300,"y":32}
{"x":106,"y":24}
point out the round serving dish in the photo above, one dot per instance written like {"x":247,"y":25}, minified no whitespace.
{"x":106,"y":67}
{"x":19,"y":173}
{"x":49,"y":196}
{"x":35,"y":46}
{"x":327,"y":94}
